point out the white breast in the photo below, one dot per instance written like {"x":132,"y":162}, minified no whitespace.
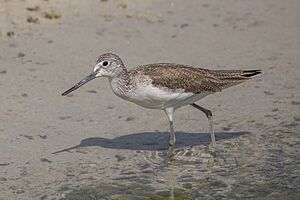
{"x":150,"y":96}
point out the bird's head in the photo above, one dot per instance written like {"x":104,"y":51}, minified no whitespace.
{"x":107,"y":65}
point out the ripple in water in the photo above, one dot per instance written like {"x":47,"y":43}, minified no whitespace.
{"x":189,"y":165}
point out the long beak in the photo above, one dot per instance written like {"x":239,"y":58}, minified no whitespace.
{"x":80,"y":83}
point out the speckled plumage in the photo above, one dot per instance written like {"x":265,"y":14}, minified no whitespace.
{"x":165,"y":86}
{"x":190,"y":79}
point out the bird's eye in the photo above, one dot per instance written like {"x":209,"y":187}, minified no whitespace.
{"x":105,"y":63}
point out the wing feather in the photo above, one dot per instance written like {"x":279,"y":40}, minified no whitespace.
{"x":176,"y":76}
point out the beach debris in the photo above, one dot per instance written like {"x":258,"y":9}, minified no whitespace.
{"x":10,"y":34}
{"x":33,"y":20}
{"x":34,"y":8}
{"x":52,"y":15}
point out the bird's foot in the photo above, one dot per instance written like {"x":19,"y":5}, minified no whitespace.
{"x":213,"y":153}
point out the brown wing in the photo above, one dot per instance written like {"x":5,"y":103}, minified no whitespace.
{"x":229,"y":78}
{"x":176,"y":76}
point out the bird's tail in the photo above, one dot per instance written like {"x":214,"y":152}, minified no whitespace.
{"x":229,"y":78}
{"x":235,"y":74}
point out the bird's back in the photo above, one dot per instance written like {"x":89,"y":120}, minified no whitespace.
{"x":191,"y":79}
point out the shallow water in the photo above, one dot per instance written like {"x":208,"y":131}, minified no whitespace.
{"x":245,"y":168}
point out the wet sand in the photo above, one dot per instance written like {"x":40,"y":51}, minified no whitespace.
{"x":107,"y":148}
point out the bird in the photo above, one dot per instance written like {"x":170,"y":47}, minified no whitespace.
{"x":165,"y":86}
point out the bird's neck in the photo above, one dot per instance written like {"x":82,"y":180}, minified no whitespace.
{"x":119,"y":72}
{"x":121,"y":83}
{"x":123,"y":73}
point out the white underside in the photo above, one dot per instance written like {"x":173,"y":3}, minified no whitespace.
{"x":152,"y":97}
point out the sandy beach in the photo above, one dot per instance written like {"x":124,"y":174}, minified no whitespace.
{"x":94,"y":145}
